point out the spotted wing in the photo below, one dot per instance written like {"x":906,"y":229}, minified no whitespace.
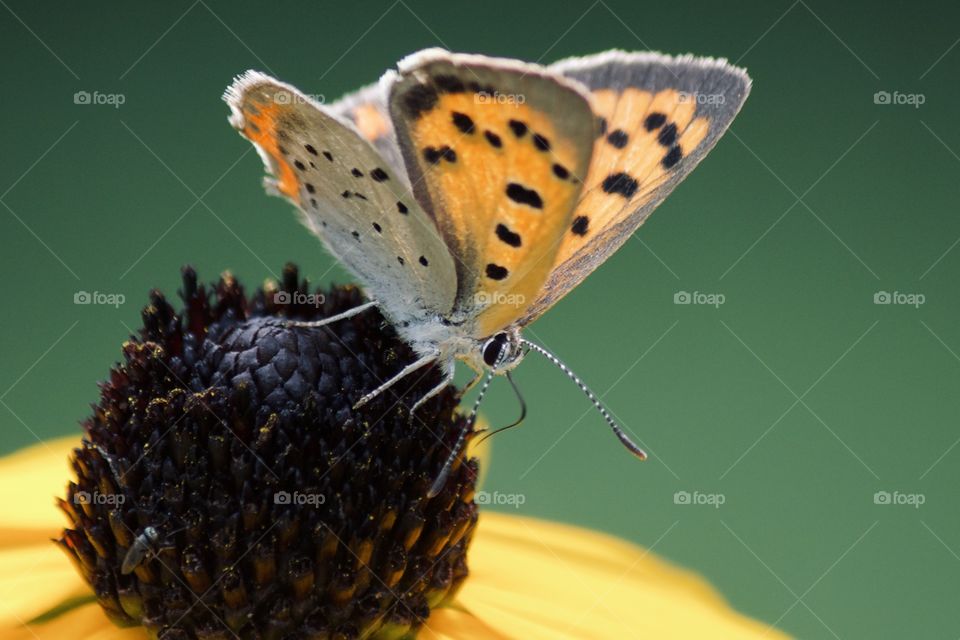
{"x":496,"y":151}
{"x":659,"y":117}
{"x":348,"y":195}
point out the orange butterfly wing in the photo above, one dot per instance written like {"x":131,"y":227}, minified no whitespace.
{"x":660,"y":116}
{"x":496,"y":151}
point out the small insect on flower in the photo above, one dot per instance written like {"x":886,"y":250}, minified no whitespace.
{"x":145,"y":546}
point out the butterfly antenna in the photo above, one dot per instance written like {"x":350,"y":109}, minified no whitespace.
{"x":441,"y":480}
{"x":617,"y":430}
{"x":519,"y":421}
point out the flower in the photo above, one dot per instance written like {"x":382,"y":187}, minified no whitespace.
{"x":225,"y":460}
{"x":185,"y":519}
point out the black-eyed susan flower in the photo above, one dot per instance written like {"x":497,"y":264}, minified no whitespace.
{"x":225,"y":488}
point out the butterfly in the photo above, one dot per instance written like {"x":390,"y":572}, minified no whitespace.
{"x":468,"y":194}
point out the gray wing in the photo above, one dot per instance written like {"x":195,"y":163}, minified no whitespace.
{"x":358,"y":204}
{"x":660,"y":116}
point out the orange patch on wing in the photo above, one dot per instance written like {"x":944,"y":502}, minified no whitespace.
{"x":643,"y":157}
{"x":260,"y":127}
{"x":483,"y":175}
{"x":370,"y":122}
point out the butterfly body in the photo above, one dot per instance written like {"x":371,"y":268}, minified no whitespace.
{"x":469,"y":194}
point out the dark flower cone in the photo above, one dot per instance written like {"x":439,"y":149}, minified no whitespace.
{"x":225,"y":452}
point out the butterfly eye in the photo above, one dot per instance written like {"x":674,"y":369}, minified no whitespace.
{"x":493,"y":349}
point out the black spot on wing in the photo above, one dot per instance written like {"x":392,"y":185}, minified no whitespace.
{"x":356,"y":173}
{"x":521,"y":195}
{"x":519,"y":128}
{"x":434,"y":155}
{"x":541,"y":142}
{"x":673,"y":157}
{"x":496,"y":272}
{"x":622,"y":184}
{"x":618,"y":138}
{"x":463,"y":122}
{"x":668,"y":135}
{"x":299,"y":165}
{"x":310,"y":149}
{"x":423,"y":260}
{"x":328,"y":156}
{"x":560,"y":171}
{"x":654,"y":121}
{"x":508,"y":237}
{"x":580,"y":225}
{"x":379,"y":175}
{"x":402,"y":208}
{"x":493,"y":139}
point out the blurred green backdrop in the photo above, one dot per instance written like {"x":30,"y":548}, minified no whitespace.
{"x":793,"y":403}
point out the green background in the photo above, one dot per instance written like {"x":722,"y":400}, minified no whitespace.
{"x":797,"y":399}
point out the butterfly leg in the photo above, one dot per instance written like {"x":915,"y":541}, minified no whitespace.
{"x":478,"y":374}
{"x":349,"y":313}
{"x":407,"y":370}
{"x":447,"y":380}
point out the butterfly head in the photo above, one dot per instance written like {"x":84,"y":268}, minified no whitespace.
{"x":502,"y":351}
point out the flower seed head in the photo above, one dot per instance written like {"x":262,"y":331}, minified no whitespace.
{"x":226,"y":488}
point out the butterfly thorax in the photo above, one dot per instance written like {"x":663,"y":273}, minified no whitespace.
{"x":448,"y":341}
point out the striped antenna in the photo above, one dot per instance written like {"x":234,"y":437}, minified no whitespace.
{"x":616,"y":428}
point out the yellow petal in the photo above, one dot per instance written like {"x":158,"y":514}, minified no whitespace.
{"x":87,"y":622}
{"x":35,"y":579}
{"x":533,"y":579}
{"x":29,"y":481}
{"x":451,"y":623}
